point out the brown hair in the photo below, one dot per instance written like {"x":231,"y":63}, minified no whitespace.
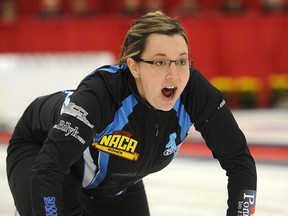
{"x":152,"y":22}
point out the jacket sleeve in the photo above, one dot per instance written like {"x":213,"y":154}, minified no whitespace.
{"x":68,"y":138}
{"x":228,"y":144}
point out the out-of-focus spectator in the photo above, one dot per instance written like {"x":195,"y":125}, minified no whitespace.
{"x":132,"y":7}
{"x":189,"y":7}
{"x":232,"y":7}
{"x":153,"y":5}
{"x":274,"y":6}
{"x":81,"y":9}
{"x":8,"y":11}
{"x":51,"y":9}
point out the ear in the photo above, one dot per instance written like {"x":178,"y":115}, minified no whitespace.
{"x":133,"y":66}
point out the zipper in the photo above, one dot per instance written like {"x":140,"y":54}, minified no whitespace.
{"x":156,"y":128}
{"x":151,"y":151}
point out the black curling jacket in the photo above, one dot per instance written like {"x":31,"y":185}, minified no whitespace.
{"x":114,"y":139}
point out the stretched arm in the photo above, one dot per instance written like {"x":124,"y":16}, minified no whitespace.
{"x":214,"y":120}
{"x":68,"y":138}
{"x":228,"y":144}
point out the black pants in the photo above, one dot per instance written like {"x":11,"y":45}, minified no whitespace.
{"x":23,"y":149}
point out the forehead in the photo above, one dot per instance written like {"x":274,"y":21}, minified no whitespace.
{"x":165,"y":45}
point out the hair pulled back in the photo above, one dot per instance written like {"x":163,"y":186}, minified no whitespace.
{"x":152,"y":22}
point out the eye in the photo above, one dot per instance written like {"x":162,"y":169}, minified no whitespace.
{"x":182,"y":62}
{"x":159,"y":62}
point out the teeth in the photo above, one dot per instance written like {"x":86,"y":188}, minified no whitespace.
{"x":170,"y":87}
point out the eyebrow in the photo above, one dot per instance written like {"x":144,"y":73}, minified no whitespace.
{"x":164,"y":55}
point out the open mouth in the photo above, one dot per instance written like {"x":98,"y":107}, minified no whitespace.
{"x":169,"y":91}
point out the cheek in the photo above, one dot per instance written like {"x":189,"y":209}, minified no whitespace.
{"x":151,"y":85}
{"x":151,"y":81}
{"x":184,"y":80}
{"x":152,"y":89}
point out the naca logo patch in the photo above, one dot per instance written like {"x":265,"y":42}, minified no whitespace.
{"x":120,"y":144}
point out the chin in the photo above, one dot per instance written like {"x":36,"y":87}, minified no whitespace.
{"x":164,"y":104}
{"x":166,"y":110}
{"x":165,"y":107}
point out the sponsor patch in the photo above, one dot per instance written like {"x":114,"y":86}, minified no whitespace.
{"x":66,"y":127}
{"x":120,"y":144}
{"x":247,"y":203}
{"x":76,"y":111}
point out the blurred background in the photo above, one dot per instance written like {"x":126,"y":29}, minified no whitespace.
{"x":241,"y":46}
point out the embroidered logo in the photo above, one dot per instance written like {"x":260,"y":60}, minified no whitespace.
{"x":120,"y":144}
{"x":78,"y":112}
{"x":50,"y":206}
{"x":171,"y":145}
{"x":66,"y":127}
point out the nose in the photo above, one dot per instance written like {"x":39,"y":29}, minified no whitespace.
{"x":172,"y":71}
